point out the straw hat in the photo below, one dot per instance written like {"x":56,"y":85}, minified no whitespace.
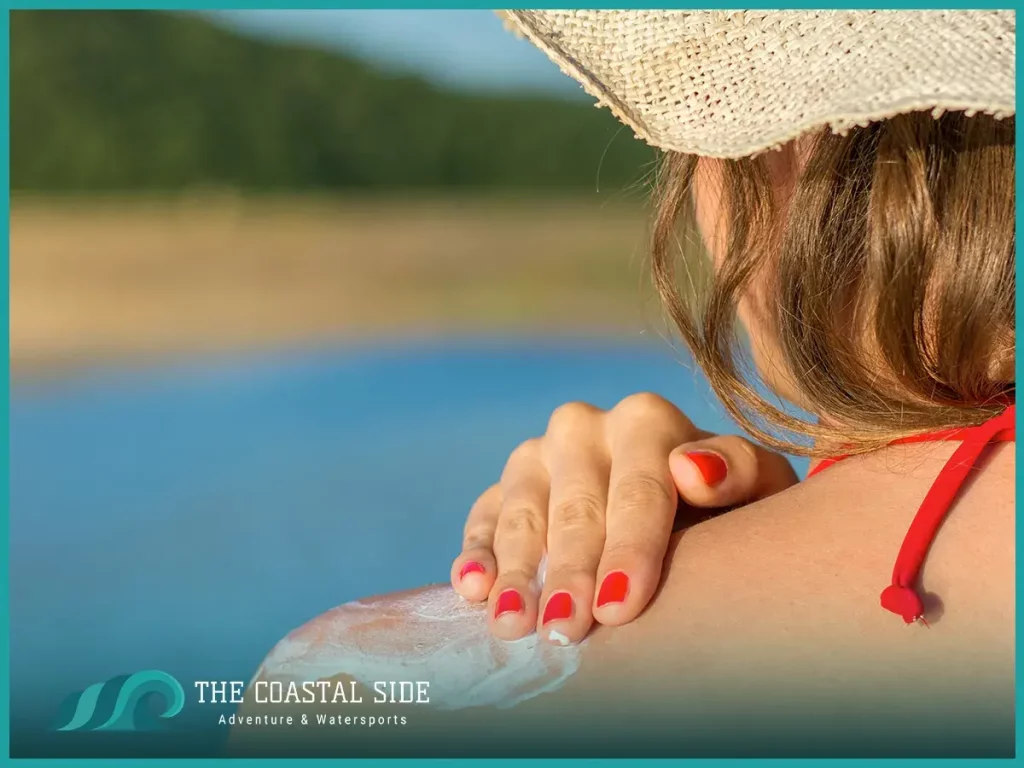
{"x":734,"y":83}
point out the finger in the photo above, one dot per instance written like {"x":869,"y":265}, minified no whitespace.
{"x":641,"y":507}
{"x":726,"y":470}
{"x":474,"y":570}
{"x":519,"y":543}
{"x":578,"y":465}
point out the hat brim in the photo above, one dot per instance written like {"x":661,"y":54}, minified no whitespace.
{"x":735,"y":83}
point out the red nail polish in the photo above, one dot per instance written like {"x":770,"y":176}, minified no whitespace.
{"x":614,"y":589}
{"x":509,"y":601}
{"x":559,"y":607}
{"x":471,"y":567}
{"x":712,"y":467}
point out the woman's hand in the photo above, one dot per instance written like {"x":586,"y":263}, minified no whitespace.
{"x":596,"y":498}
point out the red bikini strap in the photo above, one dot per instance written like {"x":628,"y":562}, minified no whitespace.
{"x":1005,"y":434}
{"x":900,"y":597}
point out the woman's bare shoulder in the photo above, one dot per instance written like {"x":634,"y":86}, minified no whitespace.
{"x":789,"y":575}
{"x":774,"y":602}
{"x":802,"y":572}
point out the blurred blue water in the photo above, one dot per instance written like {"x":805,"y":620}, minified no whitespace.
{"x":185,"y":519}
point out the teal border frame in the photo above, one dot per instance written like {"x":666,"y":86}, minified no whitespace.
{"x":197,"y":5}
{"x":329,"y":4}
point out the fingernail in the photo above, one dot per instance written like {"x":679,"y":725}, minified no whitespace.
{"x":559,"y":607}
{"x":471,"y":567}
{"x":711,"y":466}
{"x":509,"y":601}
{"x":613,"y":589}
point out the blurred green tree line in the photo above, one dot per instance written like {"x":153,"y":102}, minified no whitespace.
{"x":147,"y":100}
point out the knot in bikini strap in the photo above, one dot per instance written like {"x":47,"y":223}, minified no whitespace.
{"x":1007,"y":420}
{"x":904,"y":602}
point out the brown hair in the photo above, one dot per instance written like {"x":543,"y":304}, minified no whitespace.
{"x":891,"y":287}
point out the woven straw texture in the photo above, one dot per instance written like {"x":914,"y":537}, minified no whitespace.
{"x":735,"y":83}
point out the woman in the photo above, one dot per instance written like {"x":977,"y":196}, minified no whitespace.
{"x":851,"y":175}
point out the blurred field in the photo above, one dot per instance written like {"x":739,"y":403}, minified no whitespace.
{"x":100,"y":281}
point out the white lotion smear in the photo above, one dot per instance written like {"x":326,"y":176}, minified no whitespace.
{"x":431,"y":635}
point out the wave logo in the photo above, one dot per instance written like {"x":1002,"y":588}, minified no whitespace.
{"x":118,"y":703}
